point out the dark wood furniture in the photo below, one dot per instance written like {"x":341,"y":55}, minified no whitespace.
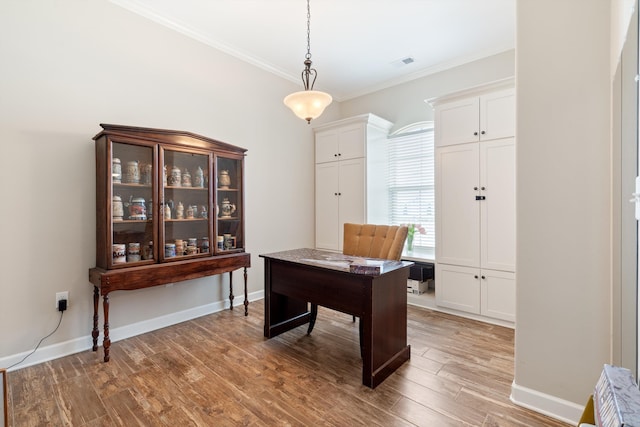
{"x":169,"y":208}
{"x":295,"y":278}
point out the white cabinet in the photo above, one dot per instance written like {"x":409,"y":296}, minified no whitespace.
{"x":476,"y":118}
{"x":343,"y":143}
{"x":475,"y":203}
{"x":340,"y":198}
{"x":489,"y":293}
{"x":345,"y":151}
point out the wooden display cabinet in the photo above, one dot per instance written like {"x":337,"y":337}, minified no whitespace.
{"x":169,"y":208}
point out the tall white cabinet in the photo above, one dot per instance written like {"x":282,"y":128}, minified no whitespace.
{"x":346,"y":151}
{"x":475,"y":201}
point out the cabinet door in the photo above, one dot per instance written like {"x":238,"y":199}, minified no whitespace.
{"x":327,"y":206}
{"x":185,"y":231}
{"x":230,"y":206}
{"x":458,"y":288}
{"x":343,"y":143}
{"x":457,"y":210}
{"x":352,"y":142}
{"x":498,"y":115}
{"x":457,"y":122}
{"x":132,"y":213}
{"x":327,"y":146}
{"x":498,"y":295}
{"x":498,"y":210}
{"x":351,"y":194}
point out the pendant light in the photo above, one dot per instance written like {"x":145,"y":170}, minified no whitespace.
{"x":308,"y":104}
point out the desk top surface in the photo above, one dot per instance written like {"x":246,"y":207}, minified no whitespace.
{"x":335,"y":261}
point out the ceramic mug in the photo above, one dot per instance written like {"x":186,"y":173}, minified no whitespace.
{"x":119,"y":253}
{"x":133,"y":253}
{"x":169,"y":250}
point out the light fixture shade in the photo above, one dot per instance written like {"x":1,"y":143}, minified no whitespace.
{"x":308,"y":104}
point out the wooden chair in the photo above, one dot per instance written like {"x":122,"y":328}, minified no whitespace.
{"x":369,"y":241}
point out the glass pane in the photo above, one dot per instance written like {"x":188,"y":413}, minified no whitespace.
{"x":229,"y":210}
{"x":186,"y":205}
{"x":131,"y":209}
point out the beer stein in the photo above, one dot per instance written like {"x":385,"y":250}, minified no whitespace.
{"x":198,"y":178}
{"x":175,"y":177}
{"x":117,"y":208}
{"x":186,"y":178}
{"x":224,"y":180}
{"x":132,"y":172}
{"x":116,"y":170}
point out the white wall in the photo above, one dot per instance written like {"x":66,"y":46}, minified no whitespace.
{"x":68,"y":66}
{"x":405,"y":104}
{"x":563,"y":202}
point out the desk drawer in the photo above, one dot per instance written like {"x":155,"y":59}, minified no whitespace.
{"x":332,"y":289}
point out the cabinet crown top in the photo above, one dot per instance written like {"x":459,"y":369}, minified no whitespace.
{"x":167,"y":136}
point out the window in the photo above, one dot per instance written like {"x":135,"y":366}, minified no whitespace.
{"x":411,"y":180}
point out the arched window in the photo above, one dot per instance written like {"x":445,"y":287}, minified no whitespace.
{"x":411,"y":180}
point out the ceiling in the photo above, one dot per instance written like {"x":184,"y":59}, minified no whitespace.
{"x":357,"y":46}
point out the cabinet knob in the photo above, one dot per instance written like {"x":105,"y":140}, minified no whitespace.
{"x":339,"y":154}
{"x":475,"y":188}
{"x":475,"y":277}
{"x":475,"y":134}
{"x":483,"y":132}
{"x":483,"y":277}
{"x":339,"y":194}
{"x":335,"y":194}
{"x":483,"y":188}
{"x":335,"y":155}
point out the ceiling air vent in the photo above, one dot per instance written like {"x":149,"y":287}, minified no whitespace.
{"x":403,"y":61}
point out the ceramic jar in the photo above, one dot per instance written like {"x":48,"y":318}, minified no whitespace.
{"x":205,"y":245}
{"x":186,"y":178}
{"x":119,"y":253}
{"x":198,"y":178}
{"x":224,"y":180}
{"x":117,"y":208}
{"x":116,"y":170}
{"x":147,"y":251}
{"x":180,"y":211}
{"x":133,"y":253}
{"x":132,"y":172}
{"x":175,"y":177}
{"x":227,"y":208}
{"x":169,"y":250}
{"x":137,"y":209}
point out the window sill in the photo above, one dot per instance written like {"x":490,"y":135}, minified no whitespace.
{"x":419,"y":254}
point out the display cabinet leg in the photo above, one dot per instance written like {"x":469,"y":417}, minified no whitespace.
{"x":231,"y":290}
{"x":246,"y":297}
{"x":106,"y":342}
{"x":95,"y":333}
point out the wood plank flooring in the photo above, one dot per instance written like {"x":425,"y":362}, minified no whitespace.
{"x":219,"y":370}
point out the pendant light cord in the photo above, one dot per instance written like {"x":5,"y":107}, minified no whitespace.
{"x":308,"y":55}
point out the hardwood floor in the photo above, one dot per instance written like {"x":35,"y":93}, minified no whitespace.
{"x":218,"y":370}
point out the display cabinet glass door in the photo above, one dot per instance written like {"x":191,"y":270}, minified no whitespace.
{"x":186,"y":205}
{"x":230,"y":207}
{"x":132,"y":183}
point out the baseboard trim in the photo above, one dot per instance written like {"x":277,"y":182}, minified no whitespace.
{"x":76,"y":345}
{"x":546,"y":404}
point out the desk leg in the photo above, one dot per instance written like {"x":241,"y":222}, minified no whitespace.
{"x":231,"y":290}
{"x":246,"y":296}
{"x":312,"y":318}
{"x":95,"y":333}
{"x":106,"y":342}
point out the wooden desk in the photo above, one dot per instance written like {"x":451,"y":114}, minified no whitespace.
{"x":292,"y":279}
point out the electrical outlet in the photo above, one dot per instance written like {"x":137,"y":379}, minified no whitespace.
{"x":60,"y":296}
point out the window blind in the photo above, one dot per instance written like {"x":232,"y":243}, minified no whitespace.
{"x":411,"y":182}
